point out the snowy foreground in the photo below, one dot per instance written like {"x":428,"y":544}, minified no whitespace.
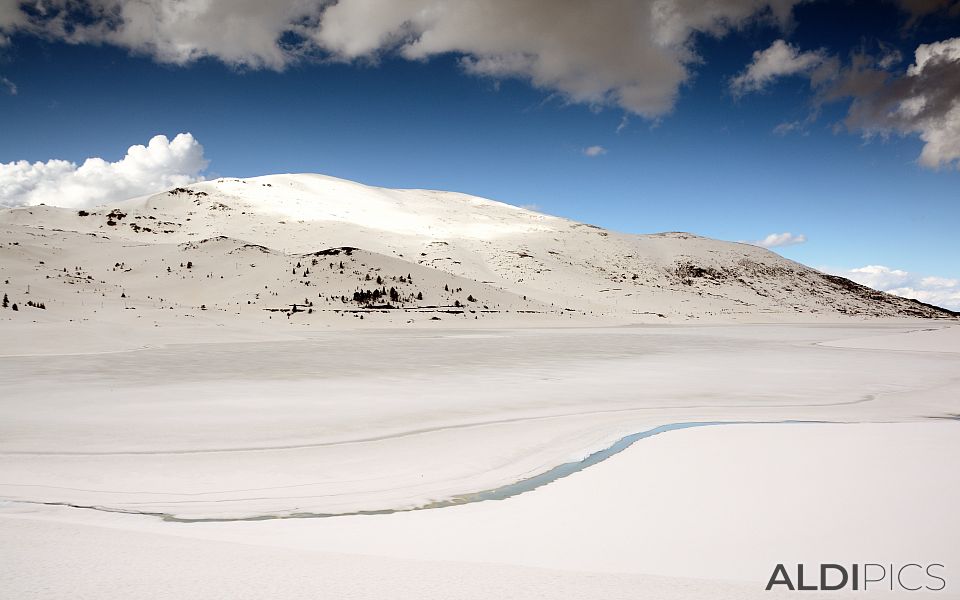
{"x":211,"y":469}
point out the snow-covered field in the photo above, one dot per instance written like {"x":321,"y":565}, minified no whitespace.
{"x":215,"y":441}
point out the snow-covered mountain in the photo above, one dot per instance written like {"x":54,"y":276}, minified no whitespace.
{"x":318,"y":249}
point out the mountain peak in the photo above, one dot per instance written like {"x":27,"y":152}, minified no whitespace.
{"x":245,"y":247}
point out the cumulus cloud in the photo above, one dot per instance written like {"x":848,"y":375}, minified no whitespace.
{"x":775,"y":240}
{"x":630,"y":53}
{"x":779,"y":60}
{"x":924,"y":100}
{"x":243,"y":33}
{"x":593,"y":151}
{"x":161,"y":164}
{"x":940,"y":291}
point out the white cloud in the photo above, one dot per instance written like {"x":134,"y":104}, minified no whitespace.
{"x":923,"y":100}
{"x":779,"y":60}
{"x":244,"y":33}
{"x":879,"y":276}
{"x":940,"y":291}
{"x":775,"y":240}
{"x":788,"y":127}
{"x":11,"y":86}
{"x":630,"y":53}
{"x":159,"y":165}
{"x":936,"y":118}
{"x":593,"y":151}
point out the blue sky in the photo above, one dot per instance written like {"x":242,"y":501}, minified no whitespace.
{"x":701,"y":156}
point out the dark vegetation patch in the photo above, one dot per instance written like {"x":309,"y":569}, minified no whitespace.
{"x":187,"y":191}
{"x":346,"y":250}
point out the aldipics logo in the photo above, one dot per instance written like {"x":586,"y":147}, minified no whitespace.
{"x":909,"y":577}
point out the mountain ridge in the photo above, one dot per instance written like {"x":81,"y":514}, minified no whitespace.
{"x":497,"y":258}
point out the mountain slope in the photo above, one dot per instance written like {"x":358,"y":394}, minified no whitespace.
{"x":316,"y":245}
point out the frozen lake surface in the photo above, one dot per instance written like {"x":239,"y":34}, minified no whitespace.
{"x":244,"y":435}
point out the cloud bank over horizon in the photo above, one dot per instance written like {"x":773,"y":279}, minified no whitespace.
{"x":939,"y":291}
{"x":159,"y":165}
